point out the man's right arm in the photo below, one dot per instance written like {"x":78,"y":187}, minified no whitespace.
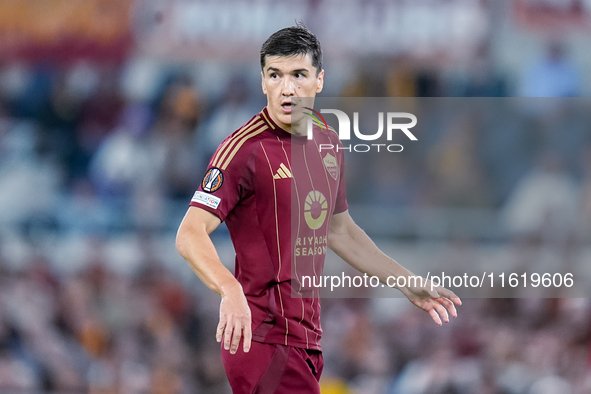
{"x":194,"y":244}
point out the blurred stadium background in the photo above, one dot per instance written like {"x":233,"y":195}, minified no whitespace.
{"x":110,"y":109}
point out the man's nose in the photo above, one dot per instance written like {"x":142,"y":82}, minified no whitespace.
{"x":288,"y":87}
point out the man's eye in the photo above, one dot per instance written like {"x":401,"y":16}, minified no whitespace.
{"x":274,"y":75}
{"x":299,"y":75}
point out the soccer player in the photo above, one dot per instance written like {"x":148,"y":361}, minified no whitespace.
{"x":283,"y":202}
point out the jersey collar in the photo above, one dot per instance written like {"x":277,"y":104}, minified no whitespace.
{"x":275,"y":129}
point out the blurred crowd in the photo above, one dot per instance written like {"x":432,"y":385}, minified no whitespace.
{"x":82,"y":138}
{"x":494,"y":346}
{"x":86,"y":166}
{"x":101,"y":332}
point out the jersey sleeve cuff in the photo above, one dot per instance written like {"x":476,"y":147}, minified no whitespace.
{"x":341,"y":208}
{"x":216,"y":212}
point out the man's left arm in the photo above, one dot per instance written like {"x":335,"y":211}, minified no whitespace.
{"x":351,"y":243}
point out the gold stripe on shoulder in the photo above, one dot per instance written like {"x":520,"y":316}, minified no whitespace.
{"x":267,"y":119}
{"x":331,"y":129}
{"x":245,"y":138}
{"x":223,"y":152}
{"x":222,"y":149}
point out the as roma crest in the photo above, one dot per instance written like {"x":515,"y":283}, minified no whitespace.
{"x":330,"y":162}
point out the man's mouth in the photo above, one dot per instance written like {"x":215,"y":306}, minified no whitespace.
{"x":287,"y":105}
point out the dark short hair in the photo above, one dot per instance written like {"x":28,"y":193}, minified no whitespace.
{"x":291,"y":41}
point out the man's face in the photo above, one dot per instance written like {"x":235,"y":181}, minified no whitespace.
{"x":286,"y":78}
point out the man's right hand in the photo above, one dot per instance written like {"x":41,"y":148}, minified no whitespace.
{"x":235,"y":320}
{"x":194,"y":244}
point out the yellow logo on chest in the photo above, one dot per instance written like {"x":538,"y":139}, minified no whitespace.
{"x":315,"y":209}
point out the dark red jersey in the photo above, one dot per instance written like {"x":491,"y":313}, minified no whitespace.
{"x":277,"y":193}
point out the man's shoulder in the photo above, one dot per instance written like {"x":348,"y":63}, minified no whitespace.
{"x":329,"y":132}
{"x":238,"y":145}
{"x":248,"y":129}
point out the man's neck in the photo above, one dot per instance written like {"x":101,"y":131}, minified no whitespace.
{"x":298,"y":129}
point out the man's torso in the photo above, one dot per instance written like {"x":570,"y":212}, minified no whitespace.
{"x":277,"y":192}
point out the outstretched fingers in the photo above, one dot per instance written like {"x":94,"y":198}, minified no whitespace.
{"x":449,"y":295}
{"x":438,"y":301}
{"x":449,"y":305}
{"x":435,"y":317}
{"x":441,"y":311}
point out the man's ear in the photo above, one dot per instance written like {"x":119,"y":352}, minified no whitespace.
{"x":263,"y":83}
{"x":320,"y":83}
